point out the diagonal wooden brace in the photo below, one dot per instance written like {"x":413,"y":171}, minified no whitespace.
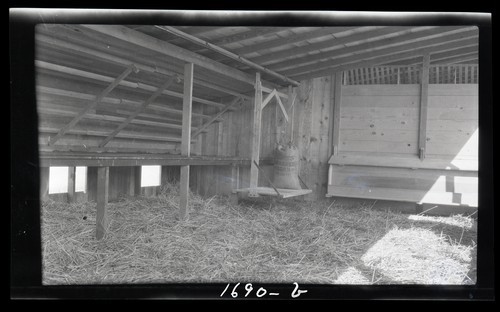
{"x":283,"y":110}
{"x":269,"y":98}
{"x":209,"y":122}
{"x":93,"y":104}
{"x":140,"y":109}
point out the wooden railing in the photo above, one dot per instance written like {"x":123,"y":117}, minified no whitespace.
{"x":438,"y":74}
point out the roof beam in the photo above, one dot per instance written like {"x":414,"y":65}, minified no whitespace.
{"x":273,"y":43}
{"x":438,"y":56}
{"x":277,"y":56}
{"x":66,"y":44}
{"x":249,"y":34}
{"x":151,"y":43}
{"x":360,"y":47}
{"x":458,"y":40}
{"x":386,"y":58}
{"x":226,"y":53}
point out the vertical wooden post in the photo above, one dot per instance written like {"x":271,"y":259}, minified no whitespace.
{"x":424,"y":90}
{"x":335,"y":113}
{"x":187,"y":107}
{"x":102,"y":200}
{"x":257,"y":115}
{"x":71,"y":184}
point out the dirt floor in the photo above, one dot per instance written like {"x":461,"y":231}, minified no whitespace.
{"x":289,"y":241}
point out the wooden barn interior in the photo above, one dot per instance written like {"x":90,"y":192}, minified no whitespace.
{"x":386,"y":113}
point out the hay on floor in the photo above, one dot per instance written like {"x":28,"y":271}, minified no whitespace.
{"x":292,"y":241}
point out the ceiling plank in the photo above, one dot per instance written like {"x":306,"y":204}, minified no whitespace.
{"x":386,"y":58}
{"x":140,"y":39}
{"x":360,"y":47}
{"x":64,"y":43}
{"x":276,"y":42}
{"x":279,"y":55}
{"x":467,"y":39}
{"x":437,"y":56}
{"x":456,"y":59}
{"x":227,"y":53}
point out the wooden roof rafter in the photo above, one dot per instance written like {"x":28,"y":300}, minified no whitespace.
{"x":65,"y":43}
{"x":154,"y":44}
{"x":363,"y":62}
{"x":387,"y":54}
{"x":229,"y":54}
{"x":358,"y":48}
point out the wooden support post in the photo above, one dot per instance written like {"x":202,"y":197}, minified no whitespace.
{"x":335,"y":115}
{"x":424,"y":90}
{"x":257,"y":115}
{"x":71,"y":184}
{"x":92,"y":105}
{"x":187,"y":106}
{"x":102,"y":200}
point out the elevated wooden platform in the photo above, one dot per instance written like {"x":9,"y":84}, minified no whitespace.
{"x":268,"y":191}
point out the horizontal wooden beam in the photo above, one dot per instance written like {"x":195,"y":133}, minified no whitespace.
{"x":66,"y":45}
{"x":127,"y":135}
{"x":114,"y":159}
{"x":468,"y":38}
{"x":129,"y":84}
{"x":359,"y":48}
{"x":47,"y":109}
{"x":136,"y":38}
{"x":227,"y":53}
{"x":384,"y":59}
{"x":110,"y":100}
{"x":245,"y":35}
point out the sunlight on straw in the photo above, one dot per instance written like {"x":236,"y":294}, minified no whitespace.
{"x":419,"y":256}
{"x":456,"y":220}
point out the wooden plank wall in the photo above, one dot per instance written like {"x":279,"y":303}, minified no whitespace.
{"x":310,"y":133}
{"x":379,"y":125}
{"x":380,"y":119}
{"x":311,"y":121}
{"x":453,"y":121}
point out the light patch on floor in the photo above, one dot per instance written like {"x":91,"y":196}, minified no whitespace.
{"x":456,"y":220}
{"x":352,"y":276}
{"x":419,"y":256}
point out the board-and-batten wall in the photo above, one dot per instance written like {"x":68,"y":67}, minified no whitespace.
{"x":308,"y":128}
{"x":378,"y":144}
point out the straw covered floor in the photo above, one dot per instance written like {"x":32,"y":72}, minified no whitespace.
{"x":285,"y":241}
